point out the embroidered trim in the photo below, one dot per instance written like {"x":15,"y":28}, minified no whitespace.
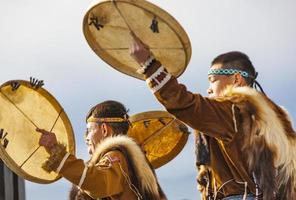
{"x":62,"y":163}
{"x":164,"y":81}
{"x":158,"y":79}
{"x":157,"y":73}
{"x":233,"y":118}
{"x":105,"y":162}
{"x":108,"y":119}
{"x":83,"y":176}
{"x":146,"y":65}
{"x":112,"y":159}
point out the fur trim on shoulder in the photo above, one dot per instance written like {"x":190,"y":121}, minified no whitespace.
{"x":269,"y":126}
{"x":147,"y":178}
{"x":289,"y":117}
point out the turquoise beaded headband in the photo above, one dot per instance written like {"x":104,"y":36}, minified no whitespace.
{"x":222,"y":71}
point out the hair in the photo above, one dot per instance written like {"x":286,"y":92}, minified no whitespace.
{"x":237,"y":60}
{"x":109,"y":109}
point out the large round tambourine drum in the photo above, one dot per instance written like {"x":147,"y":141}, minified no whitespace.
{"x":107,"y":26}
{"x":24,"y":106}
{"x":161,"y":135}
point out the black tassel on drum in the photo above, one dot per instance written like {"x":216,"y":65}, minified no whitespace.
{"x":94,"y":21}
{"x":154,"y":26}
{"x":2,"y":137}
{"x":161,"y":120}
{"x":35,"y":83}
{"x":184,"y":129}
{"x":146,"y":123}
{"x":14,"y":85}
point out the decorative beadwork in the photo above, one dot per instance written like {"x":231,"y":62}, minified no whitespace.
{"x":108,"y":119}
{"x":146,"y":65}
{"x":228,"y":72}
{"x":158,"y":79}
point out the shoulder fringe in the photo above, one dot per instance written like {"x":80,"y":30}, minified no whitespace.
{"x":147,"y":177}
{"x":271,"y":127}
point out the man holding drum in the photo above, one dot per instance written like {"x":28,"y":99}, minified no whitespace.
{"x":247,"y":137}
{"x":118,"y":169}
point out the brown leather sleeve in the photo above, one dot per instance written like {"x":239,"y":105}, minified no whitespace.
{"x":209,"y":116}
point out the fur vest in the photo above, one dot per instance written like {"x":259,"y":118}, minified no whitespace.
{"x":140,"y":172}
{"x":269,"y":141}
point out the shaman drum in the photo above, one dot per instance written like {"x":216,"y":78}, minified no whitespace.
{"x":24,"y":106}
{"x":107,"y":26}
{"x":161,"y":135}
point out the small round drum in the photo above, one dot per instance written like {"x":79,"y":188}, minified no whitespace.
{"x":107,"y":26}
{"x":24,"y":106}
{"x":161,"y":135}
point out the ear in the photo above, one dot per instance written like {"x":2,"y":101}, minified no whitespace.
{"x":104,"y":128}
{"x":238,"y":80}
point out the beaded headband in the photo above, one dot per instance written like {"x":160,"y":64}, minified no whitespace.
{"x":245,"y":74}
{"x":107,"y":119}
{"x":222,"y":71}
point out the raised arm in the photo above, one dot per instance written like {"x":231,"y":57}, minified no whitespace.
{"x":214,"y":118}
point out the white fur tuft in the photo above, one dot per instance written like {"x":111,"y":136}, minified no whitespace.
{"x":271,"y":128}
{"x":147,"y":177}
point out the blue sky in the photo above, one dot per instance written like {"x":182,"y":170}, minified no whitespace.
{"x":44,"y":39}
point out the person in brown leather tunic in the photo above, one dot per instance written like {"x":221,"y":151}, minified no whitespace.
{"x":249,"y":145}
{"x":117,"y":170}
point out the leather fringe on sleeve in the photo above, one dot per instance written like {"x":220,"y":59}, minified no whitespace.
{"x":77,"y":194}
{"x":56,"y":156}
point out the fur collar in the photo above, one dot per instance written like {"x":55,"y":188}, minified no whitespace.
{"x":271,"y":127}
{"x":143,"y":170}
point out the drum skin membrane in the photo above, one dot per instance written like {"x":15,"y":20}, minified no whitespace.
{"x":22,"y":111}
